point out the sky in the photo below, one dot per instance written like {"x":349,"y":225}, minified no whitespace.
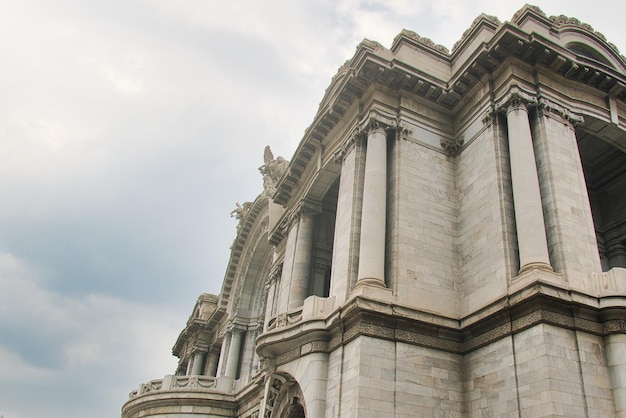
{"x":129,"y":130}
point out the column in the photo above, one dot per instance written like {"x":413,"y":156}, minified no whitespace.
{"x":616,"y":253}
{"x":211,"y":367}
{"x":374,"y":209}
{"x":299,"y":287}
{"x":223,"y":355}
{"x":196,"y":369}
{"x":616,"y":360}
{"x":531,"y":233}
{"x":232,"y":362}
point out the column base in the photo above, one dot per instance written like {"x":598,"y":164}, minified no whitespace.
{"x":370,"y":281}
{"x":536,"y":266}
{"x":536,"y":273}
{"x":372,"y":288}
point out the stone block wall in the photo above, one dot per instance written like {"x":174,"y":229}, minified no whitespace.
{"x":483,"y":186}
{"x":490,"y":383}
{"x":421,"y":256}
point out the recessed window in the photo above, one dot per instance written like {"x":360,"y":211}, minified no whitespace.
{"x":588,"y":52}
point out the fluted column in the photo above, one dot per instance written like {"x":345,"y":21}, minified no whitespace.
{"x":374,"y":209}
{"x":232,"y":362}
{"x":531,"y":233}
{"x":301,"y":271}
{"x":196,"y":369}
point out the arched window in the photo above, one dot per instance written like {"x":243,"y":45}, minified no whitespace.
{"x":588,"y":52}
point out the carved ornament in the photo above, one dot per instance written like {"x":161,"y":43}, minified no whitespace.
{"x":422,"y":40}
{"x":516,"y":98}
{"x":369,"y":44}
{"x":492,"y":19}
{"x":452,"y":147}
{"x":546,"y":105}
{"x":274,"y":276}
{"x":536,"y":9}
{"x":345,"y":148}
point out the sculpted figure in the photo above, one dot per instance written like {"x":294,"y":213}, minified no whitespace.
{"x":272,"y":170}
{"x":240,"y":211}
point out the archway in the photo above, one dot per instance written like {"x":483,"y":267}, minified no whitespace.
{"x":602,"y":151}
{"x":284,"y":398}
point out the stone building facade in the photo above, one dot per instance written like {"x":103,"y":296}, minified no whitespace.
{"x":448,"y":240}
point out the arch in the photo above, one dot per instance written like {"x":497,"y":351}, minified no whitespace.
{"x":604,"y":166}
{"x":587,"y":51}
{"x":284,"y":398}
{"x":589,"y":45}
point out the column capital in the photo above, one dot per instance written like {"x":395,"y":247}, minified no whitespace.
{"x":376,"y":121}
{"x":233,"y":328}
{"x":515,"y":99}
{"x":547,"y":106}
{"x":352,"y":141}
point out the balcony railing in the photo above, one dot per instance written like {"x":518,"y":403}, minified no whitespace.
{"x":174,"y":383}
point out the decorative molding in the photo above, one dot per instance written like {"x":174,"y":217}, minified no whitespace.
{"x":489,"y":18}
{"x":535,"y":9}
{"x":548,"y":106}
{"x":421,"y":40}
{"x":369,"y":44}
{"x":562,"y":20}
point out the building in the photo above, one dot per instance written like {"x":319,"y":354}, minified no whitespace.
{"x":448,"y":240}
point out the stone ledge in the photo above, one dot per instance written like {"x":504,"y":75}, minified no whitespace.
{"x":534,"y":299}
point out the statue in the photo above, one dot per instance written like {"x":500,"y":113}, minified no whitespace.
{"x":240,"y":211}
{"x":272,"y":171}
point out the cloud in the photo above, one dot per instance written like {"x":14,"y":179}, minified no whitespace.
{"x":75,"y":344}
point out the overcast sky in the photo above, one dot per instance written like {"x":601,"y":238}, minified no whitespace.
{"x":128,"y":131}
